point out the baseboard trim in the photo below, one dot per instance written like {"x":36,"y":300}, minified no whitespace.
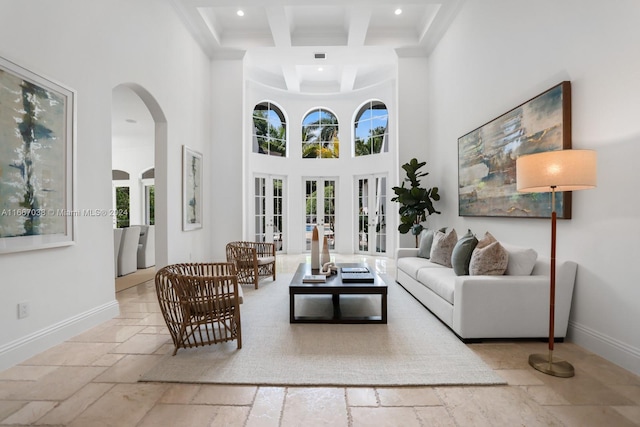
{"x":28,"y":346}
{"x":616,"y":351}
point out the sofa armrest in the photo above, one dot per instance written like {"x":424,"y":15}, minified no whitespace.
{"x":406,"y":252}
{"x":508,"y":306}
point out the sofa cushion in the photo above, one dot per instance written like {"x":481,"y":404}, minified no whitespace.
{"x":461,"y":255}
{"x":426,"y":239}
{"x":521,"y":260}
{"x":411,"y":265}
{"x":490,"y":260}
{"x":442,"y":247}
{"x":440,"y":280}
{"x":263,"y":260}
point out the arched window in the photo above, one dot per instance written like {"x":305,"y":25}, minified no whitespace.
{"x":370,"y":129}
{"x":269,"y":130}
{"x":320,"y":135}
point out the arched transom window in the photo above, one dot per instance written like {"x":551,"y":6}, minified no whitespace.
{"x":269,"y":130}
{"x":370,"y":129}
{"x":320,"y":135}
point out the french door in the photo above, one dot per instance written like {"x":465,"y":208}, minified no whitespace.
{"x":372,"y":214}
{"x":269,"y":208}
{"x":320,"y":210}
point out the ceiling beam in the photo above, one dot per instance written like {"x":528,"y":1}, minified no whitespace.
{"x":348,"y":81}
{"x":280,"y":26}
{"x":291,"y":78}
{"x":358,"y":25}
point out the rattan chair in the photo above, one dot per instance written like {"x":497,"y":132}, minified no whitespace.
{"x":253,"y":260}
{"x":200,"y":303}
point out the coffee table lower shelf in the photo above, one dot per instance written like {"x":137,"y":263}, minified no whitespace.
{"x":337,"y":315}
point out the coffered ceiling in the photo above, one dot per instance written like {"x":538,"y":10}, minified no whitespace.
{"x":315,"y":46}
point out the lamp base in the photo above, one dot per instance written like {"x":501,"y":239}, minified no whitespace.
{"x":551,"y":366}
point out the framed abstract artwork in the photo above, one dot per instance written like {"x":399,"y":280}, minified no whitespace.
{"x":191,"y":189}
{"x":37,"y":142}
{"x":487,"y":158}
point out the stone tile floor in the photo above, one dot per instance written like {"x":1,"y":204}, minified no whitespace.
{"x":90,"y":380}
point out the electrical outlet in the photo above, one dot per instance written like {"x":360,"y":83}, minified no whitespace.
{"x":23,"y":310}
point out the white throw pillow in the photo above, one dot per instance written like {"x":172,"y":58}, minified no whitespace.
{"x":521,"y":260}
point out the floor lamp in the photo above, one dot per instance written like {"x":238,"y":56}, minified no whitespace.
{"x":551,"y":171}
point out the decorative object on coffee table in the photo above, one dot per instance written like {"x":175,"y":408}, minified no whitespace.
{"x":315,"y":249}
{"x":551,"y":171}
{"x":326,"y":257}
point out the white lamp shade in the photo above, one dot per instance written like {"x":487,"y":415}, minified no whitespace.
{"x":566,"y":170}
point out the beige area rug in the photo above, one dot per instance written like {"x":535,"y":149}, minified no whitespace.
{"x":412,"y":349}
{"x":135,"y":278}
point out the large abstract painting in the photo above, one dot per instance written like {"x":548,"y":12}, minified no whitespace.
{"x":487,"y":158}
{"x":36,"y":161}
{"x":191,"y":189}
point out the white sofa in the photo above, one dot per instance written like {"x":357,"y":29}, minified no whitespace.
{"x":127,"y":256}
{"x":147,"y":246}
{"x":117,"y":240}
{"x":483,"y":307}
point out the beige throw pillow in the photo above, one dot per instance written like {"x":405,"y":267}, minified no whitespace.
{"x":487,"y":261}
{"x":490,"y":260}
{"x":442,"y":247}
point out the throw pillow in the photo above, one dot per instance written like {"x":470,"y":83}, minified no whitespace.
{"x":490,"y":260}
{"x":521,"y":260}
{"x":486,"y":240}
{"x":442,"y":247}
{"x":426,"y":240}
{"x":461,"y":255}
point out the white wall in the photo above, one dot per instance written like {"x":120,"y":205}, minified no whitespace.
{"x":92,"y":47}
{"x":344,"y":169}
{"x":413,"y":110}
{"x":499,"y":53}
{"x":225,"y":215}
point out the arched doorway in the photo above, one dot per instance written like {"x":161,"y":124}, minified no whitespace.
{"x":139,"y":128}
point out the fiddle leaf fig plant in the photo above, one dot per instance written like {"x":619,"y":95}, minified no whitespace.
{"x":416,"y":203}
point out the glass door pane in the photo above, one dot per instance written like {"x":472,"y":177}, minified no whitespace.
{"x":371,"y":217}
{"x":320,"y":210}
{"x":260,"y":209}
{"x":363,"y":215}
{"x":277,"y":222}
{"x":329,"y":215}
{"x":381,"y":215}
{"x":311,"y":214}
{"x":269,"y":210}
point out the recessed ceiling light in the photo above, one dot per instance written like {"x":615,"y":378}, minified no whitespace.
{"x":240,"y":12}
{"x":320,"y":69}
{"x":398,"y":11}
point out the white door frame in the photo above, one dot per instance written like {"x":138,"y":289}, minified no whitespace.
{"x":271,"y":225}
{"x":374,"y":205}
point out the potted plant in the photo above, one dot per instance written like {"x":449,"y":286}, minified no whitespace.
{"x":416,"y":203}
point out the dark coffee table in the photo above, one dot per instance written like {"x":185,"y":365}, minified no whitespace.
{"x":335,"y":287}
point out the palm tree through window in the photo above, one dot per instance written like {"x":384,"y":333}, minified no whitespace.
{"x":370,"y":129}
{"x":320,"y":135}
{"x":269,"y":130}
